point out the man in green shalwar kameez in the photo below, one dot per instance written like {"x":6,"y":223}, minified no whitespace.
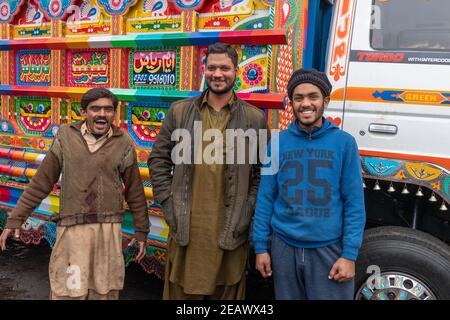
{"x":209,"y":204}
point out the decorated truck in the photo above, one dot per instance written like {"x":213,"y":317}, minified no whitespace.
{"x":386,"y":60}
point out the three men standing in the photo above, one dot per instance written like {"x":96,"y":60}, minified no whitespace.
{"x":312,"y":207}
{"x":207,"y":204}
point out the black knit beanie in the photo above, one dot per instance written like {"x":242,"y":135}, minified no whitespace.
{"x":312,"y":76}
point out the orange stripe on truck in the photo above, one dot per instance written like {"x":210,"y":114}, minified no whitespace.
{"x":404,"y":96}
{"x":443,"y":162}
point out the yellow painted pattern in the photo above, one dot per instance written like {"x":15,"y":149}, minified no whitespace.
{"x":422,"y":172}
{"x":26,"y":32}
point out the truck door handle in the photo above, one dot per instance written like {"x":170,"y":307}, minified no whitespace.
{"x":383,"y":128}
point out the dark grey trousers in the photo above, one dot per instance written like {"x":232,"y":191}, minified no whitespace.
{"x":302,"y":274}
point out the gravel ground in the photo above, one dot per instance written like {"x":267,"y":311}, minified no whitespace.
{"x":24,"y":275}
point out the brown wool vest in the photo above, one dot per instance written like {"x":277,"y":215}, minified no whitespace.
{"x":91,"y":188}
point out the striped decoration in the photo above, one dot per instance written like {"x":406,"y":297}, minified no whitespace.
{"x":151,"y":40}
{"x":21,"y":155}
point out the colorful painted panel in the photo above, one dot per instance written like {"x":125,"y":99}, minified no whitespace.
{"x":26,"y":32}
{"x":87,"y":18}
{"x":33,"y":114}
{"x":154,"y":16}
{"x":144,"y":121}
{"x":399,"y":96}
{"x":32,"y":143}
{"x":234,"y":15}
{"x":253,"y":69}
{"x":415,"y":172}
{"x":31,"y":23}
{"x":422,"y":171}
{"x":253,"y":64}
{"x":380,"y":167}
{"x":88,"y":68}
{"x":227,"y":7}
{"x":33,"y":67}
{"x":155,"y":69}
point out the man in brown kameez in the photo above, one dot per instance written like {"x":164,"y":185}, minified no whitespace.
{"x":207,"y":204}
{"x":95,"y":159}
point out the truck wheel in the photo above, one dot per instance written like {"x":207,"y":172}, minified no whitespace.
{"x":397,"y":263}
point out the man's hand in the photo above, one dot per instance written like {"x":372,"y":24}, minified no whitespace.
{"x":5,"y":234}
{"x":342,"y":270}
{"x":142,"y":249}
{"x":263,"y":264}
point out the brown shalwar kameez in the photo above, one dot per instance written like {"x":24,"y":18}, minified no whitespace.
{"x":91,"y":253}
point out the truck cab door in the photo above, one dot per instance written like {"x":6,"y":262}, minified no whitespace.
{"x":393,"y":88}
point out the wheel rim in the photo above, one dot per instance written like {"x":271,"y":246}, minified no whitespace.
{"x":394,"y":286}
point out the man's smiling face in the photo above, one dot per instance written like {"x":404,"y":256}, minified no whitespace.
{"x":308,"y":104}
{"x":220,"y":73}
{"x":99,"y":116}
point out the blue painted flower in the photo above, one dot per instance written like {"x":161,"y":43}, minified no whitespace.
{"x":252,"y":74}
{"x":160,"y":116}
{"x":40,"y":108}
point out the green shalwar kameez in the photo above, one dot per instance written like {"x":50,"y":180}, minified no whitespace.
{"x":201,"y":269}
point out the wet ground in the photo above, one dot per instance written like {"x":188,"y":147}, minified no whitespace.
{"x":24,"y":275}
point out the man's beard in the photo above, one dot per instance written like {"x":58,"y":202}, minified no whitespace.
{"x":223,"y":91}
{"x":319,"y":114}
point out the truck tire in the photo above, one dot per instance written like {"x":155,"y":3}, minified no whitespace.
{"x":397,"y":263}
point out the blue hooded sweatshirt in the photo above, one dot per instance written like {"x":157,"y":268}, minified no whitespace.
{"x":315,"y":198}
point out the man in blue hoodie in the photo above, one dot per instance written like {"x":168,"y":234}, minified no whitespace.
{"x":313,"y":206}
